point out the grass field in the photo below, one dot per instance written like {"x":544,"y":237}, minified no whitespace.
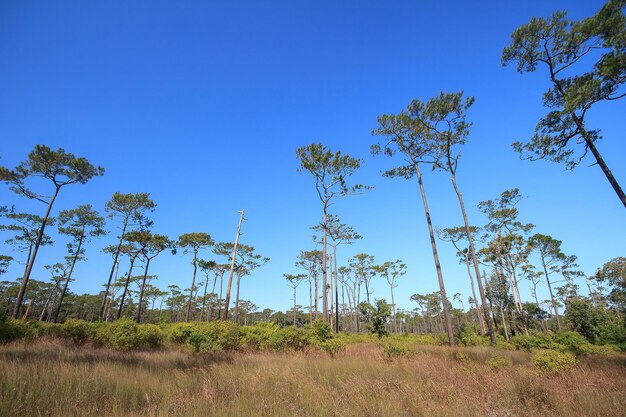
{"x":50,"y":379}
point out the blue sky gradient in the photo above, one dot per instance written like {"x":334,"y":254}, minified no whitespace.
{"x":202,"y":104}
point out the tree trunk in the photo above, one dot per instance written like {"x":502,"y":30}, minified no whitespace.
{"x":554,"y":305}
{"x":472,"y":248}
{"x":193,"y":283}
{"x":310,"y":299}
{"x":143,"y":284}
{"x":324,"y":270}
{"x":236,"y":312}
{"x":69,"y":275}
{"x":294,"y":307}
{"x":130,"y":272}
{"x":117,"y":253}
{"x":232,"y":269}
{"x":31,"y":260}
{"x":336,"y":291}
{"x":442,"y":289}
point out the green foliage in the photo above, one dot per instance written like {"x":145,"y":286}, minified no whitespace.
{"x":467,"y":335}
{"x":380,"y":316}
{"x":78,"y":331}
{"x":320,"y":329}
{"x":122,"y":335}
{"x":550,"y":361}
{"x":215,"y":336}
{"x":151,"y":336}
{"x":595,"y":322}
{"x":499,"y":361}
{"x":259,"y":336}
{"x":333,"y":346}
{"x":293,"y":338}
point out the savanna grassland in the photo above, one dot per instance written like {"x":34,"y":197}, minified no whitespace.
{"x":239,"y":371}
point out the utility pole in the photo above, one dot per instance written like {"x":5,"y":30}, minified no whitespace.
{"x":232,"y":269}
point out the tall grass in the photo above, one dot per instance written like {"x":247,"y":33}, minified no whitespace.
{"x":51,"y":379}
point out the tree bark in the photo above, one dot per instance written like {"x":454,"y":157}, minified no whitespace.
{"x":554,"y":305}
{"x":31,"y":260}
{"x":232,"y":269}
{"x":193,"y":282}
{"x":117,"y":253}
{"x":69,"y":275}
{"x":472,"y":248}
{"x":442,"y":289}
{"x":143,"y":285}
{"x":130,"y":272}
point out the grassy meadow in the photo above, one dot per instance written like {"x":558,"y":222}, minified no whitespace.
{"x":50,"y":377}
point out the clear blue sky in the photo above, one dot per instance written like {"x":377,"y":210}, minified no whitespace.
{"x":203,"y":104}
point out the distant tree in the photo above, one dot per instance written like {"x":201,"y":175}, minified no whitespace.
{"x":406,"y":135}
{"x":192,"y":243}
{"x":151,"y":246}
{"x":562,"y":46}
{"x":294,"y":281}
{"x":5,"y":260}
{"x":363,"y":268}
{"x":330,"y":171}
{"x":380,"y":317}
{"x":550,"y":254}
{"x":311,"y":261}
{"x":61,"y":169}
{"x":455,"y":235}
{"x":613,"y":273}
{"x":391,"y":271}
{"x":129,"y":210}
{"x":80,"y":224}
{"x":25,"y":228}
{"x":133,"y":250}
{"x":340,"y":234}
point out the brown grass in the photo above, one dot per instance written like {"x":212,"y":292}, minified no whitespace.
{"x":50,"y":379}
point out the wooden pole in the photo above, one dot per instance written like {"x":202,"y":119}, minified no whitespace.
{"x":232,"y":269}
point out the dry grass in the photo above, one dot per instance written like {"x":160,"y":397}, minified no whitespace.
{"x":49,"y":379}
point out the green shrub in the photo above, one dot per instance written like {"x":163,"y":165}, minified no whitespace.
{"x":259,"y":336}
{"x":77,"y":331}
{"x":467,"y":335}
{"x":179,"y":332}
{"x":122,"y":334}
{"x":462,"y":357}
{"x":499,"y":361}
{"x":393,"y":348}
{"x":535,"y":341}
{"x":551,"y":361}
{"x":333,"y":346}
{"x":215,"y":336}
{"x":320,"y":329}
{"x":292,"y":338}
{"x":151,"y":336}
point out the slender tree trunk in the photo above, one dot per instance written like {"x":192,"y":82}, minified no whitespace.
{"x":544,"y":328}
{"x":336,"y":291}
{"x":317,"y":294}
{"x":506,"y":332}
{"x":433,"y":243}
{"x":472,"y":248}
{"x":343,"y":303}
{"x":210,"y":308}
{"x":31,"y":260}
{"x":236,"y":312}
{"x":193,"y":283}
{"x":204,"y":306}
{"x":393,"y":306}
{"x":324,"y":269}
{"x":141,"y":292}
{"x":554,"y":305}
{"x":232,"y":269}
{"x":69,"y":275}
{"x":117,"y":254}
{"x":294,"y":307}
{"x":130,"y":272}
{"x":310,"y":299}
{"x":330,"y":290}
{"x":219,"y":302}
{"x":53,"y":292}
{"x":479,"y":316}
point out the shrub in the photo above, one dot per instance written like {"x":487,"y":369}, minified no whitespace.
{"x":179,"y":332}
{"x":259,"y":336}
{"x":499,"y":361}
{"x":396,"y":349}
{"x":214,"y":336}
{"x":151,"y":336}
{"x":291,"y":338}
{"x":333,"y":346}
{"x":551,"y":361}
{"x":122,"y":334}
{"x":320,"y":329}
{"x":77,"y":331}
{"x":462,"y":357}
{"x":467,"y":335}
